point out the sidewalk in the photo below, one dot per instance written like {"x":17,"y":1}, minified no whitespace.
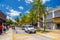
{"x":7,"y":36}
{"x":54,"y":34}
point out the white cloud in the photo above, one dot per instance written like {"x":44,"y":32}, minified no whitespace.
{"x":45,"y":1}
{"x":7,"y":17}
{"x":27,"y":12}
{"x":10,"y":18}
{"x":13,"y":13}
{"x":29,"y":1}
{"x":21,"y":7}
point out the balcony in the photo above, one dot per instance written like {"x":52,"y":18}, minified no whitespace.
{"x":49,"y":16}
{"x":57,"y":13}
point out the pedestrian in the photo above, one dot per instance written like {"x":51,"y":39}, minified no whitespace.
{"x":1,"y":28}
{"x":4,"y":28}
{"x":7,"y":27}
{"x":14,"y":29}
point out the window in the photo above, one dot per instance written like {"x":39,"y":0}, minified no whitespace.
{"x":49,"y":16}
{"x":57,"y":13}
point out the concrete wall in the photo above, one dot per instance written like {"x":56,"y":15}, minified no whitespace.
{"x":53,"y":18}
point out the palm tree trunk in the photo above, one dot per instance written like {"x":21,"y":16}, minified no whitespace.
{"x":38,"y":19}
{"x":44,"y":22}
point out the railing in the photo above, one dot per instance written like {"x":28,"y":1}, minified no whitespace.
{"x":57,"y":13}
{"x":49,"y":16}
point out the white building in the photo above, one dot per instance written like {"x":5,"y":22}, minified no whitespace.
{"x":53,"y":19}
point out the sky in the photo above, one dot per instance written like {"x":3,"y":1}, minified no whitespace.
{"x":13,"y":8}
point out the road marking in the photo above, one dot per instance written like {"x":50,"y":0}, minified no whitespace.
{"x":12,"y":35}
{"x":23,"y":34}
{"x":39,"y":33}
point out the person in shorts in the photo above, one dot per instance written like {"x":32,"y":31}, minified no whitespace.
{"x":4,"y":28}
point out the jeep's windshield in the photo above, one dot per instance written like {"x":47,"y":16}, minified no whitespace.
{"x":30,"y":26}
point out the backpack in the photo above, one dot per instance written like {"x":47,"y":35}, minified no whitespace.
{"x":0,"y":27}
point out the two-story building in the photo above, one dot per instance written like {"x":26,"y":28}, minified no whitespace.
{"x":53,"y":19}
{"x":2,"y":17}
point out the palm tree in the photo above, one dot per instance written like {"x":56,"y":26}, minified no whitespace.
{"x":29,"y":18}
{"x":40,"y":10}
{"x":33,"y":18}
{"x":24,"y":19}
{"x":17,"y":21}
{"x":45,"y":14}
{"x":37,"y":5}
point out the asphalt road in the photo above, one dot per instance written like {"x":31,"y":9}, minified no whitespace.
{"x":19,"y":31}
{"x":31,"y":37}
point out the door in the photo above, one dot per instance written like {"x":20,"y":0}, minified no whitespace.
{"x":58,"y":26}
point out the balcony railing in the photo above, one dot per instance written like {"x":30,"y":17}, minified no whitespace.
{"x":57,"y":13}
{"x":49,"y":16}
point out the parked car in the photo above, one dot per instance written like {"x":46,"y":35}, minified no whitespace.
{"x":13,"y":27}
{"x":23,"y":27}
{"x":30,"y":29}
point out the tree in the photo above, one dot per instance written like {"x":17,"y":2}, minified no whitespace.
{"x":40,"y":10}
{"x":45,"y":14}
{"x":9,"y":21}
{"x":24,"y":19}
{"x":37,"y":5}
{"x":35,"y":15}
{"x":32,"y":17}
{"x":28,"y":18}
{"x":17,"y":21}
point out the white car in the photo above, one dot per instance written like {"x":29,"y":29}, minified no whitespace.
{"x":30,"y":29}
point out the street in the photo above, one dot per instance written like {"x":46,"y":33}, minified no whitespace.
{"x":29,"y":19}
{"x":20,"y":31}
{"x":20,"y":34}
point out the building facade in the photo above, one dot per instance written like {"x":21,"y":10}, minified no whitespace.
{"x":53,"y":19}
{"x":2,"y":17}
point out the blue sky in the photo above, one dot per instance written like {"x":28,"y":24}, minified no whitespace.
{"x":14,"y":7}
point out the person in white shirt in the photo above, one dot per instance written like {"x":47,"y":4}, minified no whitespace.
{"x":4,"y":28}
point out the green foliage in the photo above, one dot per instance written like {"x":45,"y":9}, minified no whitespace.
{"x":9,"y":21}
{"x":41,"y":9}
{"x":29,"y":18}
{"x":32,"y":17}
{"x":17,"y":19}
{"x":14,"y":23}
